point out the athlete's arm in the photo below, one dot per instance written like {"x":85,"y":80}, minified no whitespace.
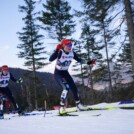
{"x":12,"y":78}
{"x":78,"y":59}
{"x":55,"y":55}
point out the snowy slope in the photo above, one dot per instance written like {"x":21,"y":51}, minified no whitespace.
{"x":116,"y":121}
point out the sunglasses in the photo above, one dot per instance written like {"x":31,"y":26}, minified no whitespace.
{"x":69,"y":45}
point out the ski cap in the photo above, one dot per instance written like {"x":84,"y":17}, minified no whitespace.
{"x":66,"y":42}
{"x":5,"y":67}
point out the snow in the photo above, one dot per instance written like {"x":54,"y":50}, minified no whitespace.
{"x":115,"y":121}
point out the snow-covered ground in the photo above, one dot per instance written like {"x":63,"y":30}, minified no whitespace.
{"x":115,"y":121}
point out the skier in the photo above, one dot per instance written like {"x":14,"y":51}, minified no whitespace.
{"x":64,"y":55}
{"x":5,"y":76}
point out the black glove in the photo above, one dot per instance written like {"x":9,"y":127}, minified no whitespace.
{"x":91,"y":62}
{"x":20,"y":80}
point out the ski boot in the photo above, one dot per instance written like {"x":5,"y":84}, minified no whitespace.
{"x":62,"y":110}
{"x":19,"y":111}
{"x":1,"y":115}
{"x":82,"y":107}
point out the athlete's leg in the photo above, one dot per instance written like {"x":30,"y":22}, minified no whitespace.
{"x":9,"y":95}
{"x":75,"y":92}
{"x":60,"y":78}
{"x":73,"y":87}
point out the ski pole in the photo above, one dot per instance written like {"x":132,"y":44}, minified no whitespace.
{"x":45,"y":106}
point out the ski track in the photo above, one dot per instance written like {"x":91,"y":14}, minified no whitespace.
{"x":109,"y":122}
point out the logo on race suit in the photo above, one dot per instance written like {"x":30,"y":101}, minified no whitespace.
{"x":64,"y":57}
{"x":4,"y":77}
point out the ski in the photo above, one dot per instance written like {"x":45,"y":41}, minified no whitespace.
{"x":30,"y":114}
{"x":110,"y":107}
{"x":86,"y":115}
{"x":80,"y":115}
{"x":102,"y":108}
{"x":92,"y":108}
{"x":27,"y":114}
{"x":18,"y":115}
{"x":67,"y":114}
{"x":75,"y":112}
{"x":127,"y":107}
{"x":4,"y":118}
{"x":1,"y":117}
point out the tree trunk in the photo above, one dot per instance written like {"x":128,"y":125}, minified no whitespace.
{"x":130,"y":26}
{"x":35,"y":90}
{"x":81,"y":67}
{"x":29,"y":98}
{"x":90,"y":77}
{"x":107,"y":56}
{"x":34,"y":79}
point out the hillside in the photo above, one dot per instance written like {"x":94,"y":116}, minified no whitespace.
{"x":47,"y":87}
{"x":49,"y":91}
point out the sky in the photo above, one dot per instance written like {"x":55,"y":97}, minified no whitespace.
{"x":114,"y":121}
{"x":11,"y":23}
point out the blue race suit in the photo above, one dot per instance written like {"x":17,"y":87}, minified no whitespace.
{"x":62,"y":75}
{"x":4,"y":80}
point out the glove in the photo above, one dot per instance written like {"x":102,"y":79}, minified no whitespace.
{"x":58,"y":47}
{"x":20,"y":80}
{"x":91,"y":62}
{"x":3,"y":98}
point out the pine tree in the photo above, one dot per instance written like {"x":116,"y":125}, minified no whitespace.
{"x":130,"y":26}
{"x":91,"y":48}
{"x":77,"y":67}
{"x":87,"y":49}
{"x":125,"y":56}
{"x":132,"y":2}
{"x":99,"y":14}
{"x":31,"y":48}
{"x":57,"y":19}
{"x":129,"y":17}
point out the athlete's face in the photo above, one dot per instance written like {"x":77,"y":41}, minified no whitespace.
{"x":5,"y":72}
{"x":68,"y":47}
